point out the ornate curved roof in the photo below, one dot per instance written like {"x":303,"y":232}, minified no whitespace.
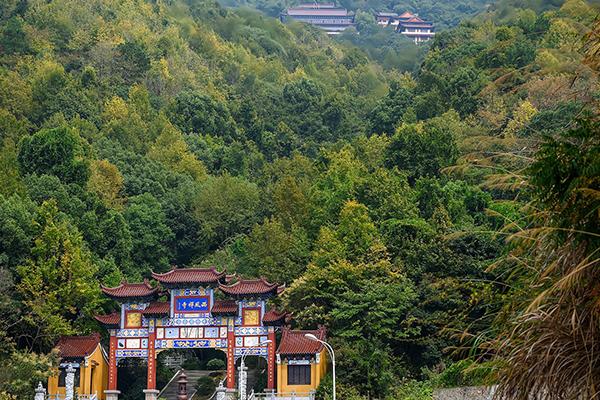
{"x":251,"y":287}
{"x":274,"y":317}
{"x":111,"y":320}
{"x":77,"y":346}
{"x":131,"y":290}
{"x":179,"y":276}
{"x":296,"y":343}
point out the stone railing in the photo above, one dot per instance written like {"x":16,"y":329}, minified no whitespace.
{"x":465,"y":393}
{"x":77,"y":397}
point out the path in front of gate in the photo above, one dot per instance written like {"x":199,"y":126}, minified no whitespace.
{"x":170,"y":391}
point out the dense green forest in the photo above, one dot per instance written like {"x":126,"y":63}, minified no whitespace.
{"x":136,"y":135}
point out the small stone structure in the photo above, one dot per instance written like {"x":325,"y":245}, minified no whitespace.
{"x":40,"y":392}
{"x":182,"y":383}
{"x":70,"y":383}
{"x":465,"y":393}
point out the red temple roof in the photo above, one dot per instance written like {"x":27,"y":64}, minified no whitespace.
{"x":225,"y":307}
{"x":251,"y":286}
{"x":273,"y":317}
{"x":190,"y":275}
{"x":125,"y":290}
{"x":78,"y":346}
{"x":158,"y":308}
{"x":406,"y":14}
{"x":113,"y":319}
{"x":295,"y":342}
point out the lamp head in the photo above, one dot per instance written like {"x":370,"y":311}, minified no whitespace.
{"x":311,"y":337}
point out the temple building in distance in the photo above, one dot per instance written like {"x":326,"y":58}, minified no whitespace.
{"x":407,"y":24}
{"x":326,"y":16}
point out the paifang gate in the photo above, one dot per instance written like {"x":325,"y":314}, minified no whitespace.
{"x":191,"y":317}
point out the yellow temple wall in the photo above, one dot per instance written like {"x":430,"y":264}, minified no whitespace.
{"x":317,"y":372}
{"x":92,"y":379}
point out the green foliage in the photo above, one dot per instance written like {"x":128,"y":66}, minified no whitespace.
{"x":151,"y":236}
{"x":414,"y":390}
{"x":137,"y":136}
{"x":58,"y":152}
{"x":273,"y":252}
{"x":389,"y":112}
{"x":60,"y":267}
{"x":205,"y":386}
{"x":199,"y":113}
{"x":215,"y":364}
{"x":23,"y":370}
{"x":226,"y":205}
{"x":423,"y":149}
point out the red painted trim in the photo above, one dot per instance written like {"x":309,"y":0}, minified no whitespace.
{"x":250,"y":308}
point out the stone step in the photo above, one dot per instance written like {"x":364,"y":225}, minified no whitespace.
{"x":170,"y":391}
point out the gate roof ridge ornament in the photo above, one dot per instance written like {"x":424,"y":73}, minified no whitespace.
{"x":125,"y":290}
{"x":245,"y":287}
{"x":190,"y":276}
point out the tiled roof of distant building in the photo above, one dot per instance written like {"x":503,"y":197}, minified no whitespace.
{"x":296,"y":342}
{"x":77,"y":346}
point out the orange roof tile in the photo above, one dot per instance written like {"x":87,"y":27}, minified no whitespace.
{"x":113,"y":319}
{"x":225,"y":307}
{"x":295,"y":342}
{"x":190,"y":275}
{"x":128,"y":290}
{"x":249,"y":287}
{"x":77,"y":346}
{"x":158,"y":308}
{"x":273,"y":317}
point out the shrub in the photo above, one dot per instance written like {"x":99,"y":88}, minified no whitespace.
{"x":205,"y":386}
{"x":215,"y":364}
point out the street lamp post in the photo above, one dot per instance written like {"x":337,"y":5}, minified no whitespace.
{"x":331,"y":353}
{"x":242,"y":387}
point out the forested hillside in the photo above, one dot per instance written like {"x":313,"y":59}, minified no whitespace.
{"x":444,"y":13}
{"x":137,"y":135}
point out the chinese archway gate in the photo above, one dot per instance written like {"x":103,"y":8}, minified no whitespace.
{"x":191,"y":318}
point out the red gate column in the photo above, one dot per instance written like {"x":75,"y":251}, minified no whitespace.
{"x":271,"y":359}
{"x":150,"y":392}
{"x":112,"y":362}
{"x":151,"y":383}
{"x":112,"y":393}
{"x":230,"y":358}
